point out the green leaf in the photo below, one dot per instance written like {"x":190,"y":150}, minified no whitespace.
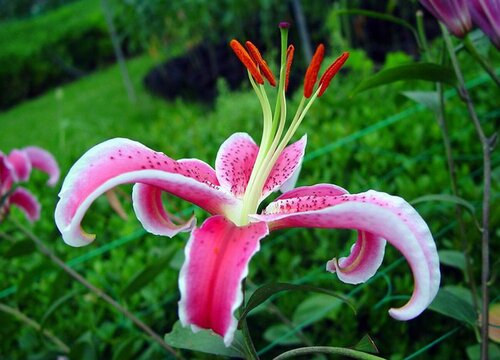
{"x":147,"y":274}
{"x":20,"y":248}
{"x":266,"y":291}
{"x":418,"y":71}
{"x":474,"y":352}
{"x":429,"y":99}
{"x":452,"y":258}
{"x":56,"y":304}
{"x":366,"y":344}
{"x":205,"y":341}
{"x":316,"y":307}
{"x":449,"y":304}
{"x":279,"y":334}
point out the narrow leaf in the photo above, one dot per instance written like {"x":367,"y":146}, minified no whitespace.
{"x":266,"y":291}
{"x":56,"y":304}
{"x":451,"y":199}
{"x":449,"y":304}
{"x":366,"y":344}
{"x":429,"y":99}
{"x":452,"y":258}
{"x":418,"y":71}
{"x":204,"y":340}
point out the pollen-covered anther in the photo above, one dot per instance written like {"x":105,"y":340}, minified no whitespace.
{"x":260,"y":62}
{"x":313,"y":70}
{"x":332,"y":70}
{"x":289,"y":58}
{"x":245,"y":58}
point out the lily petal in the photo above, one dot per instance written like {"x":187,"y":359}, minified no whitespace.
{"x":383,"y":215}
{"x":20,"y":163}
{"x":366,"y":257}
{"x":44,"y":161}
{"x":27,"y":202}
{"x":217,"y":257}
{"x":286,"y":170}
{"x":235,"y":161}
{"x":6,"y":172}
{"x":119,"y":161}
{"x":148,"y":207}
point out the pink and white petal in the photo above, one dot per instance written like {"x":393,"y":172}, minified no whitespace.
{"x":287,"y":167}
{"x":20,"y":164}
{"x":148,"y":207}
{"x":119,"y":161}
{"x":314,"y":191}
{"x":217,"y":257}
{"x":6,"y":174}
{"x":204,"y":171}
{"x":363,"y":262}
{"x":234,"y":163}
{"x":26,"y":202}
{"x":386,"y":216}
{"x":43,"y":160}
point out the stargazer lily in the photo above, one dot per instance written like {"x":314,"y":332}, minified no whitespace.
{"x":16,"y":167}
{"x":218,"y":252}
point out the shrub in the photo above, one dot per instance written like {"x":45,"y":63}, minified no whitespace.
{"x":48,"y":50}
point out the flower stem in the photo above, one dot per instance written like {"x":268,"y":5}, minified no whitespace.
{"x":101,"y":294}
{"x":327,"y":350}
{"x":487,"y":144}
{"x":471,"y":49}
{"x":250,"y":348}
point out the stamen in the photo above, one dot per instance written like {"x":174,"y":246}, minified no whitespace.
{"x":245,"y":58}
{"x":332,"y":70}
{"x":289,"y":59}
{"x":261,"y":63}
{"x":312,"y":71}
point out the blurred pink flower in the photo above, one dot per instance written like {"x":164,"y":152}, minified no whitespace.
{"x":16,"y":167}
{"x":453,"y":13}
{"x":486,"y":15}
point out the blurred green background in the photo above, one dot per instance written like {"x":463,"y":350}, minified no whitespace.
{"x":62,"y":88}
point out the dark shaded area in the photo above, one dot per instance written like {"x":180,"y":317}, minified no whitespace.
{"x":194,"y":75}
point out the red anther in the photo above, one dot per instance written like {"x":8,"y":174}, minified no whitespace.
{"x":245,"y":58}
{"x":261,"y":63}
{"x":332,"y":70}
{"x":289,"y":59}
{"x":312,"y":71}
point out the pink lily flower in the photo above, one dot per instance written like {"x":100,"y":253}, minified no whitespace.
{"x":453,"y":13}
{"x":219,"y":251}
{"x":486,"y":15}
{"x":16,"y":167}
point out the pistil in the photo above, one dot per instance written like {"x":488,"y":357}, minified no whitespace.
{"x":274,"y":138}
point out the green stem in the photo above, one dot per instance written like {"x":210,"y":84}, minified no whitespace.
{"x":250,"y":348}
{"x":327,"y":350}
{"x":33,"y":324}
{"x":471,"y":49}
{"x":486,"y":145}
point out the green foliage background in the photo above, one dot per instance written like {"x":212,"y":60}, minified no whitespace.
{"x":375,"y":140}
